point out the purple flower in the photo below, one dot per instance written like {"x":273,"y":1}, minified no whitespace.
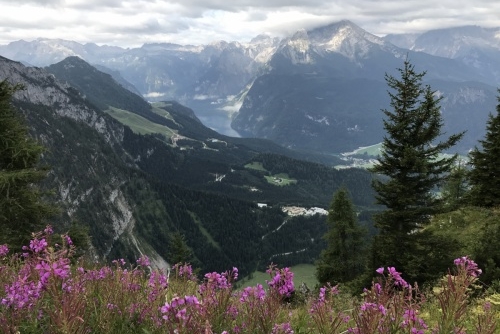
{"x":184,"y":271}
{"x":191,"y":300}
{"x":38,"y":246}
{"x":143,"y":261}
{"x":48,"y":230}
{"x":322,"y":292}
{"x":43,"y":269}
{"x":61,"y":268}
{"x":68,"y":240}
{"x":171,"y":312}
{"x":398,"y":280}
{"x":256,"y":292}
{"x":380,"y":270}
{"x":119,"y":262}
{"x":284,"y":328}
{"x":469,"y":265}
{"x":22,"y":293}
{"x":4,"y":250}
{"x":282,"y":281}
{"x":216,"y":280}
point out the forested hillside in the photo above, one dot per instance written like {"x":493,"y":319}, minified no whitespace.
{"x":134,"y":192}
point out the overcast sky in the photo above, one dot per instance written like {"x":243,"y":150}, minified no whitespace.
{"x":130,"y":23}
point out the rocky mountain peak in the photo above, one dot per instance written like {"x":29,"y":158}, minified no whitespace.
{"x":296,"y":48}
{"x":346,"y":38}
{"x":450,"y":42}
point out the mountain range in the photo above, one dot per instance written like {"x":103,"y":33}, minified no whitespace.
{"x":320,"y":90}
{"x":135,"y":173}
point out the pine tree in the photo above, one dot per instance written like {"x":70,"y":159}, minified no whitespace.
{"x":343,"y":259}
{"x":409,"y":170}
{"x":456,"y":189}
{"x":179,"y":251}
{"x":22,"y":209}
{"x":484,"y":176}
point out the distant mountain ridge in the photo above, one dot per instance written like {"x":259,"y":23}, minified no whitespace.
{"x":318,"y":90}
{"x":161,"y":70}
{"x":474,"y":46}
{"x":324,"y":91}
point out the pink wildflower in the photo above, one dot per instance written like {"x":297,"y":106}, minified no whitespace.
{"x":4,"y":250}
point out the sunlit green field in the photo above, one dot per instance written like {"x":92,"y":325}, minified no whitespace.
{"x":256,"y":165}
{"x":281,"y":179}
{"x":137,"y":123}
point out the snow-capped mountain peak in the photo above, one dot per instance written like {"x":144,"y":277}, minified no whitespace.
{"x":297,"y":48}
{"x":346,"y":38}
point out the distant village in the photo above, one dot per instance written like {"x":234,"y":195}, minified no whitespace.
{"x":293,"y":211}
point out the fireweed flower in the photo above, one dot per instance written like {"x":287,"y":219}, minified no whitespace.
{"x":411,"y":318}
{"x":38,"y":246}
{"x":48,"y":230}
{"x":216,"y":280}
{"x":170,"y":310}
{"x":143,"y":261}
{"x":235,"y":273}
{"x":469,"y":265}
{"x":185,"y":271}
{"x":322,"y":292}
{"x":22,"y":293}
{"x":4,"y":250}
{"x":398,"y":280}
{"x":61,"y":268}
{"x":284,"y":328}
{"x":119,"y":262}
{"x":43,"y":269}
{"x":282,"y":281}
{"x":68,"y":240}
{"x":157,"y":279}
{"x":256,"y":292}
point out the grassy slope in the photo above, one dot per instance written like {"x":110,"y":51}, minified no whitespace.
{"x":137,"y":123}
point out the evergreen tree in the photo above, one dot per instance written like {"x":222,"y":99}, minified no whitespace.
{"x":343,"y":259}
{"x":456,"y":188}
{"x":179,"y":250}
{"x":484,"y":176}
{"x":22,"y":209}
{"x":409,"y":169}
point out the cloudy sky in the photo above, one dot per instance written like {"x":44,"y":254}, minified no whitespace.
{"x":130,"y":23}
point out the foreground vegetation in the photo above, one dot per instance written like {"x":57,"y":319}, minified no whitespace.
{"x":47,"y":291}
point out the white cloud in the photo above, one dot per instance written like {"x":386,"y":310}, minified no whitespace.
{"x":134,"y":22}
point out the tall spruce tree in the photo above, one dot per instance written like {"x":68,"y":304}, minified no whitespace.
{"x":484,"y":176}
{"x":409,"y":170}
{"x":22,"y":209}
{"x":179,"y":251}
{"x":343,"y":259}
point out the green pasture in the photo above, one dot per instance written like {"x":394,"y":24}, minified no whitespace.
{"x":281,"y":179}
{"x":137,"y":123}
{"x":256,"y":165}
